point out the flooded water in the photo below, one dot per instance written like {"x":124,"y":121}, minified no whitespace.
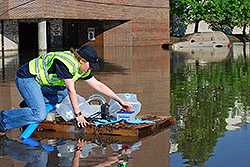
{"x":206,"y":90}
{"x":141,"y":70}
{"x":210,"y":99}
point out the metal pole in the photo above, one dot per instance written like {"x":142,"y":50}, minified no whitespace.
{"x":2,"y":39}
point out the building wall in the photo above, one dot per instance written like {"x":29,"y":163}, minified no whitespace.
{"x":19,"y":9}
{"x":147,"y":21}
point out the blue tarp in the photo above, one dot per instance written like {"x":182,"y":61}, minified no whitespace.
{"x":101,"y":122}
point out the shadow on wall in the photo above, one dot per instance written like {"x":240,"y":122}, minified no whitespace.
{"x":78,"y":32}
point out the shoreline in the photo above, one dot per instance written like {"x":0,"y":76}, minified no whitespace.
{"x":233,"y":38}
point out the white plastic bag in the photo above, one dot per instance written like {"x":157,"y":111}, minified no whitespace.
{"x":64,"y":109}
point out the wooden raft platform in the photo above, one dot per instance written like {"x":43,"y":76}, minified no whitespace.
{"x":117,"y":129}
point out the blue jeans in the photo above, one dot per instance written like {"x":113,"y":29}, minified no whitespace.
{"x":35,"y":96}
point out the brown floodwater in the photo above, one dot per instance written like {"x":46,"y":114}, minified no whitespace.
{"x":144,"y":71}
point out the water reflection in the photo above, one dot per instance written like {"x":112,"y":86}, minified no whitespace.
{"x":21,"y":153}
{"x":94,"y":153}
{"x":66,"y":152}
{"x":207,"y":100}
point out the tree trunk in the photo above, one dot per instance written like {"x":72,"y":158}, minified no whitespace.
{"x":244,"y":29}
{"x":196,"y":26}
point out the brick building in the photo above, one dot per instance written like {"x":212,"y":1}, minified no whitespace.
{"x":57,"y":24}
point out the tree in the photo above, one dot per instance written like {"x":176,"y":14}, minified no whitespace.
{"x":195,"y":11}
{"x":243,"y":15}
{"x":218,"y":13}
{"x":222,"y":13}
{"x":229,"y":13}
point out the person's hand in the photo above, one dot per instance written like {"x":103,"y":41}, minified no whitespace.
{"x":81,"y":121}
{"x":127,"y":106}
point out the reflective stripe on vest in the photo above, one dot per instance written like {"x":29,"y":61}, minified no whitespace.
{"x":40,"y":65}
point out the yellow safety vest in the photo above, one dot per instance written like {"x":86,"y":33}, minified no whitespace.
{"x":40,"y":66}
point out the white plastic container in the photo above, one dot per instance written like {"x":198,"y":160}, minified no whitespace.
{"x":124,"y":115}
{"x":51,"y":116}
{"x":64,"y":109}
{"x":115,"y":108}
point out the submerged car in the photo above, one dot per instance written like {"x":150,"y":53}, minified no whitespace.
{"x":215,"y":39}
{"x":203,"y":55}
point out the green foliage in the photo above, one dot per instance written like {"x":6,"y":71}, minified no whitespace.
{"x":243,"y":13}
{"x":176,"y":9}
{"x":195,"y":10}
{"x":218,"y":13}
{"x":228,"y":13}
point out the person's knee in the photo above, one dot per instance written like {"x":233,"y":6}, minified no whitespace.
{"x":39,"y":114}
{"x":42,"y":116}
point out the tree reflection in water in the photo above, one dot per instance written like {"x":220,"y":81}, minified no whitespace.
{"x":202,"y":99}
